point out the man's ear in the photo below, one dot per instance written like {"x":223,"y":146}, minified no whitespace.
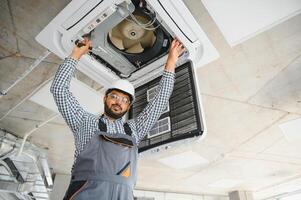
{"x":128,"y":107}
{"x":104,"y":98}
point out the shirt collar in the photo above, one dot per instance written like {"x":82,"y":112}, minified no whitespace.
{"x":104,"y":117}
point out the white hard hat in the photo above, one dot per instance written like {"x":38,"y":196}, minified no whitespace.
{"x":124,"y":86}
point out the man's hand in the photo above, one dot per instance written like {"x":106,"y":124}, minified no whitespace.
{"x":77,"y":52}
{"x":176,"y":49}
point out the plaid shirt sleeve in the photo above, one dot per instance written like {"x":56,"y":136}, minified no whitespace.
{"x":68,"y":106}
{"x":151,"y":113}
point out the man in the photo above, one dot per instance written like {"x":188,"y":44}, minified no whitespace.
{"x":105,"y":146}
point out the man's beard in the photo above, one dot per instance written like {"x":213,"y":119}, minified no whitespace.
{"x":111,"y":114}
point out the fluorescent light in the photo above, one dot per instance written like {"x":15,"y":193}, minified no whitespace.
{"x":225,"y":183}
{"x":88,"y":98}
{"x":240,"y":20}
{"x":184,"y":160}
{"x":292,"y":197}
{"x":292,"y":130}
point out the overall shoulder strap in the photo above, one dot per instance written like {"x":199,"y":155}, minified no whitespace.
{"x":127,"y":129}
{"x":102,"y":126}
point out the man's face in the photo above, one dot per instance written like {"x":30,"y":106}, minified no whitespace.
{"x":116,"y":104}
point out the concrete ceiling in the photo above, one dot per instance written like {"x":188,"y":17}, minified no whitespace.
{"x":251,"y":89}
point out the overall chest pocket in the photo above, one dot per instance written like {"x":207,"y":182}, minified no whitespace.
{"x":115,"y":155}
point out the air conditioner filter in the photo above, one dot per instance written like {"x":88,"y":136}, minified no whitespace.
{"x":181,"y":118}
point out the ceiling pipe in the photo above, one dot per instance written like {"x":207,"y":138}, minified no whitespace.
{"x":33,"y":130}
{"x":43,"y":164}
{"x":30,"y":69}
{"x":38,"y":159}
{"x":27,"y":97}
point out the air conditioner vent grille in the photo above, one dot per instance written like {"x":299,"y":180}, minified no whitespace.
{"x":182,"y":117}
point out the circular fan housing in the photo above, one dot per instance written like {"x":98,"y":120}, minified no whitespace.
{"x":137,"y":44}
{"x":129,"y":37}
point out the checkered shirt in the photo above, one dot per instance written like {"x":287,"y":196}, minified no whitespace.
{"x":84,"y":124}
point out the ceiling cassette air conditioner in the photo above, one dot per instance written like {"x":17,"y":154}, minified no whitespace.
{"x":130,"y":40}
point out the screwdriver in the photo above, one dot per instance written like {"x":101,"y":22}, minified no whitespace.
{"x":80,"y":44}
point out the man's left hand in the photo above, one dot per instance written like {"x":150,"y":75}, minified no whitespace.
{"x":176,"y":49}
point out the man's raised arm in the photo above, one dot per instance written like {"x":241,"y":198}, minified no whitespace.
{"x":67,"y":105}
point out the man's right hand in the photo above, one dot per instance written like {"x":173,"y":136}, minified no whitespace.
{"x":77,"y":52}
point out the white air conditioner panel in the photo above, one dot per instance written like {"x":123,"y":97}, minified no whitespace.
{"x":78,"y":16}
{"x":174,"y":11}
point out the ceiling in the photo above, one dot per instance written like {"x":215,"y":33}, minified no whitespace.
{"x":247,"y":93}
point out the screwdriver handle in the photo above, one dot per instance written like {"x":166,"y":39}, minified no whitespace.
{"x":80,"y":44}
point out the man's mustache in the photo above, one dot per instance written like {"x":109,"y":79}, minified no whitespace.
{"x":117,"y":106}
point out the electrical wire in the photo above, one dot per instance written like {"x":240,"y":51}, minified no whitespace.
{"x":147,"y":24}
{"x":133,"y":19}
